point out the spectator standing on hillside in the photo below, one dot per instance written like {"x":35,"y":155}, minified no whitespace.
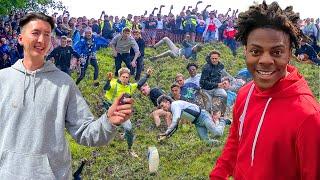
{"x":140,"y":64}
{"x":121,"y":45}
{"x":87,"y":47}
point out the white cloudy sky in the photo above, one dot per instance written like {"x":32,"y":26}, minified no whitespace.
{"x":93,"y":8}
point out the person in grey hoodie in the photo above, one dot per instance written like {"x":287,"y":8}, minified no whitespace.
{"x":38,"y":102}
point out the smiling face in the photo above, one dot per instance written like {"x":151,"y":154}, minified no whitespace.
{"x":35,"y":38}
{"x":180,"y":81}
{"x":192,"y":71}
{"x":267,"y":55}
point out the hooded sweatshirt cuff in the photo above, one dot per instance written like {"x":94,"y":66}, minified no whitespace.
{"x":106,"y":124}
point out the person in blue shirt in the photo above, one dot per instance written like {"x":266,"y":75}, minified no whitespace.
{"x":188,"y":50}
{"x":307,"y":49}
{"x":87,"y":48}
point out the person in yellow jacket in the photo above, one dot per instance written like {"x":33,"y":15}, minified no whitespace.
{"x":115,"y":88}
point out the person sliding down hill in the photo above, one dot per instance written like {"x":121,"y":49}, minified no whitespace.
{"x":189,"y":51}
{"x":116,"y":87}
{"x":199,"y":117}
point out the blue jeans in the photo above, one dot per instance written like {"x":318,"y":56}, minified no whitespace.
{"x":137,"y":70}
{"x":231,"y":43}
{"x":93,"y":63}
{"x":205,"y":124}
{"x":210,"y":36}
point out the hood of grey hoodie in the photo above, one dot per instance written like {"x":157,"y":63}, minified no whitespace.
{"x":30,"y":77}
{"x":35,"y":110}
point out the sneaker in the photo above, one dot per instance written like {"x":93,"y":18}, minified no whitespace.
{"x":133,"y":154}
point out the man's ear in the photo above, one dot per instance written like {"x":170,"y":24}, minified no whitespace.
{"x":20,"y":39}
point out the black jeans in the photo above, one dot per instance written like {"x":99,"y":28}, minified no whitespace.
{"x":93,"y":63}
{"x":137,"y":70}
{"x":126,"y":58}
{"x":64,"y":69}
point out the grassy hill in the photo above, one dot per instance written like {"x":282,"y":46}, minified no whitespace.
{"x":183,"y":156}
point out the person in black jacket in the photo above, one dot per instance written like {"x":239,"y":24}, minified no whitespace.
{"x":62,"y":55}
{"x":211,"y":76}
{"x":141,"y":43}
{"x":153,"y":94}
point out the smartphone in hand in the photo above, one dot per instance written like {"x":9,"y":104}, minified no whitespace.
{"x":125,"y":95}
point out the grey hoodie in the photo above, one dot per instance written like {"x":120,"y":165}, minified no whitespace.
{"x":35,"y":110}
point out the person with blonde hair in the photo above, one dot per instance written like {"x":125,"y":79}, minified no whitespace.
{"x":115,"y":88}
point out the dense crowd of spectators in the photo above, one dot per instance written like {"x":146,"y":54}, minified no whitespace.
{"x":202,"y":26}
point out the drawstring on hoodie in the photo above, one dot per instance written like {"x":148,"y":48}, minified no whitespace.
{"x":243,"y":115}
{"x":258,"y":131}
{"x":24,"y":86}
{"x":34,"y":84}
{"x":242,"y":118}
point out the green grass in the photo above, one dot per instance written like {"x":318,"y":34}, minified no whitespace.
{"x":183,"y":156}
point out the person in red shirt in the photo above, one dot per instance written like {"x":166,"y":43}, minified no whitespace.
{"x":276,"y":119}
{"x":229,"y":37}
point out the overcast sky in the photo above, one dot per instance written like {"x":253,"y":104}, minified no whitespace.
{"x":93,"y":8}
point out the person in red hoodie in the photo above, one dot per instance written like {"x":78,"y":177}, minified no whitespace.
{"x":229,"y":37}
{"x":276,"y":119}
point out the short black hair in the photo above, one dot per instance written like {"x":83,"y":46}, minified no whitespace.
{"x":174,"y":85}
{"x":36,"y":16}
{"x":192,"y":64}
{"x":269,"y":16}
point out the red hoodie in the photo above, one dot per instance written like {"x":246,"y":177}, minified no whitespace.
{"x":280,"y":136}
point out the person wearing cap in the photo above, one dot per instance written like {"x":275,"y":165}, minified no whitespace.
{"x":121,"y":45}
{"x":87,"y":47}
{"x":193,"y":113}
{"x":276,"y":119}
